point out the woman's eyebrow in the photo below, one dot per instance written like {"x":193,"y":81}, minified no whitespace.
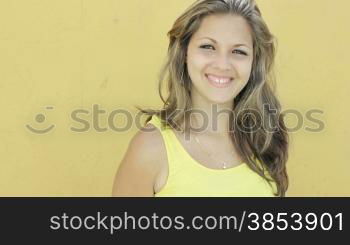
{"x":236,"y":45}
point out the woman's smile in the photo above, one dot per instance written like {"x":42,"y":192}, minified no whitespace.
{"x":219,"y":81}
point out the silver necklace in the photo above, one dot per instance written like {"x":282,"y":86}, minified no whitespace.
{"x":224,"y":164}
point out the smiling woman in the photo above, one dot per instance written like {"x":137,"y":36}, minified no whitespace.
{"x":224,"y":64}
{"x":220,"y":56}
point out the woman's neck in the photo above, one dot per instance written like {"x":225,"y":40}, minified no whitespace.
{"x":210,"y":118}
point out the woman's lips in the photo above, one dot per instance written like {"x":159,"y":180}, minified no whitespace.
{"x":219,"y":81}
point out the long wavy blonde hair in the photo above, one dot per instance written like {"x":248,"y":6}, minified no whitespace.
{"x":255,"y":146}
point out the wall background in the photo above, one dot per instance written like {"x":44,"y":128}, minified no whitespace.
{"x":72,"y":54}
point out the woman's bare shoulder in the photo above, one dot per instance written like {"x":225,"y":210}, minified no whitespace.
{"x":149,"y":142}
{"x":141,"y":164}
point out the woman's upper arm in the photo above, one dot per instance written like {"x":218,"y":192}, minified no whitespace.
{"x":139,"y":167}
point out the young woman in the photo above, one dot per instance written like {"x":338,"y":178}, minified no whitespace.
{"x":220,"y":131}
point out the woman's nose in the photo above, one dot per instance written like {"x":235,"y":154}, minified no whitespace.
{"x":223,"y":62}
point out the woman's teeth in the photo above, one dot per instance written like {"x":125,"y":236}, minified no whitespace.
{"x":219,"y":80}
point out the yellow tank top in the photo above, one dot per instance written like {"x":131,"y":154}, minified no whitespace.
{"x":189,"y":178}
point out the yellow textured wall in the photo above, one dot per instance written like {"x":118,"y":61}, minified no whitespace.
{"x":72,"y":54}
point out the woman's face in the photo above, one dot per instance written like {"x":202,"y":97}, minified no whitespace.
{"x":220,"y":57}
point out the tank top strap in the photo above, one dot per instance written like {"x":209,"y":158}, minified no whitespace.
{"x":174,"y":152}
{"x":166,"y":133}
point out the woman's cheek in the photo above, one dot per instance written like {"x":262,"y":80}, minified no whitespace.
{"x":204,"y":60}
{"x":198,"y":62}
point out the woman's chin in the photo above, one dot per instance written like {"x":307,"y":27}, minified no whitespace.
{"x":220,"y":100}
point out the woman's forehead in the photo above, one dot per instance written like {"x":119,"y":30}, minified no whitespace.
{"x":224,"y":28}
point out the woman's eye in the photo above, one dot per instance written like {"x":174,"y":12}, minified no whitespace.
{"x":241,"y":52}
{"x":204,"y":46}
{"x":210,"y":46}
